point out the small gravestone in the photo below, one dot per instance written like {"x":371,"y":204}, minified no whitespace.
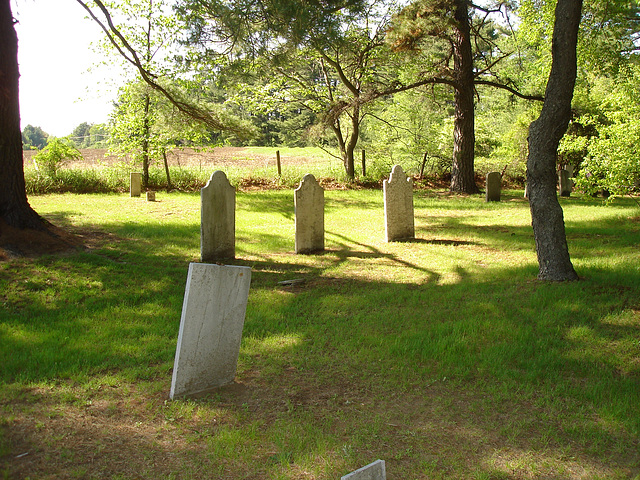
{"x":309,"y":208}
{"x":217,"y":219}
{"x":565,"y":183}
{"x":135,"y":184}
{"x":215,"y":303}
{"x":494,"y":185}
{"x":373,"y":471}
{"x":398,"y":206}
{"x":151,"y":196}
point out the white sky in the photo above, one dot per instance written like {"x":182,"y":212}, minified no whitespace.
{"x":57,"y":93}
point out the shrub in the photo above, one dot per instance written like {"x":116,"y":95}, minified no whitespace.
{"x":51,"y":157}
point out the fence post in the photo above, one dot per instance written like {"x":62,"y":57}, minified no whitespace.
{"x":278,"y":163}
{"x":364,"y":166}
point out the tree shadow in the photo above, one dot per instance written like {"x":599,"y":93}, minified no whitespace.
{"x":493,"y":375}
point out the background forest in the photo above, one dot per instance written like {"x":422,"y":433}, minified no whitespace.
{"x":386,"y":77}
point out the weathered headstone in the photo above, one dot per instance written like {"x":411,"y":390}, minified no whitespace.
{"x":135,"y":184}
{"x":215,"y":303}
{"x":151,"y":196}
{"x":494,"y":185}
{"x":217,"y":219}
{"x":565,"y":183}
{"x":309,"y":208}
{"x":398,"y":206}
{"x":373,"y":471}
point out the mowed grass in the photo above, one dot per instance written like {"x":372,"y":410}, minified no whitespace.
{"x":443,"y":356}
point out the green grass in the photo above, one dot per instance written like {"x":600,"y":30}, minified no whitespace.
{"x":443,"y":356}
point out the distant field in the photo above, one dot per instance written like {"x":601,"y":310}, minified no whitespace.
{"x":258,"y":157}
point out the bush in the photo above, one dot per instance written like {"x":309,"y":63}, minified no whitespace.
{"x":56,"y":153}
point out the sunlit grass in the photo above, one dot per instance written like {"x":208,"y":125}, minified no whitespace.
{"x":444,"y":356}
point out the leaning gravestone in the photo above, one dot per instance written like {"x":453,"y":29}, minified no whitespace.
{"x":494,"y":185}
{"x":135,"y":184}
{"x":309,"y":208}
{"x":398,"y":206}
{"x":215,"y":303}
{"x":217,"y":219}
{"x":565,"y":183}
{"x":373,"y":471}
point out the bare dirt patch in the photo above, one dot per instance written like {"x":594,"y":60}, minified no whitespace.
{"x":189,"y":157}
{"x":16,"y":242}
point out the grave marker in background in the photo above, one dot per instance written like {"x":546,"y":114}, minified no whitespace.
{"x":398,"y":206}
{"x":565,"y":183}
{"x":309,"y":208}
{"x":213,"y":311}
{"x":135,"y":184}
{"x":494,"y":185}
{"x":217,"y":219}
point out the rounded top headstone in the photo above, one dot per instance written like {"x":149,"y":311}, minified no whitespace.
{"x":218,"y":178}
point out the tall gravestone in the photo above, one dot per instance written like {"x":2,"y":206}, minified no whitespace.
{"x":373,"y":471}
{"x":494,"y":186}
{"x":217,"y":219}
{"x":398,"y":206}
{"x":564,"y":183}
{"x":213,"y":312}
{"x":135,"y":184}
{"x":309,"y":208}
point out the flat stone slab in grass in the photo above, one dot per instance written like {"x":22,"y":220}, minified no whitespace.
{"x":215,"y":303}
{"x":373,"y":471}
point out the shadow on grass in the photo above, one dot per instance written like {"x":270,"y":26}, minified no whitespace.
{"x":493,"y":376}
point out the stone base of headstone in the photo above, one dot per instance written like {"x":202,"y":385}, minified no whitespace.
{"x":494,"y":186}
{"x":373,"y":471}
{"x":151,"y":196}
{"x":213,"y":312}
{"x":135,"y":185}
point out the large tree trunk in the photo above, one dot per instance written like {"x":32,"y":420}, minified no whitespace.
{"x":545,"y":134}
{"x":462,"y":171}
{"x":14,"y":207}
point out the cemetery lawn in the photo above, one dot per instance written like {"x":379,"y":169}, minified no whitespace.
{"x":444,"y":356}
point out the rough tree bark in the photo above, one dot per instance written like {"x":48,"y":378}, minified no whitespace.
{"x":464,"y":139}
{"x":544,"y":136}
{"x":14,"y":207}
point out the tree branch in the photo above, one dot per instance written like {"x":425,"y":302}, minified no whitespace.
{"x":131,"y":56}
{"x":512,"y":90}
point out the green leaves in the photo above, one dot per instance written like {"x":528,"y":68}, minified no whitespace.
{"x":613,"y":161}
{"x":57,"y":152}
